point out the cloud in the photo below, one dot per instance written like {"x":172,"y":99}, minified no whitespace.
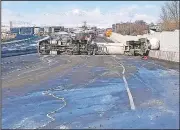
{"x":145,"y":17}
{"x":75,"y":17}
{"x":17,"y":18}
{"x":150,"y":6}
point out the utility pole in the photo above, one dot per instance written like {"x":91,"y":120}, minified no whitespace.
{"x":11,"y":24}
{"x":130,"y":16}
{"x":85,"y":25}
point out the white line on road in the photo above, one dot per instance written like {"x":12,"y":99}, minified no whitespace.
{"x":126,"y":84}
{"x":49,"y":92}
{"x":49,"y":115}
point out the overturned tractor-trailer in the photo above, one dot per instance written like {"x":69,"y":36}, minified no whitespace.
{"x":81,"y":42}
{"x":64,"y":43}
{"x":141,"y":46}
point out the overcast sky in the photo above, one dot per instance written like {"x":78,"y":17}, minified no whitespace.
{"x":73,"y":13}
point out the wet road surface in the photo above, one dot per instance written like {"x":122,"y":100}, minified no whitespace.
{"x":88,"y":92}
{"x":103,"y":39}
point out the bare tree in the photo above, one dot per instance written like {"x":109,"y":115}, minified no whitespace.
{"x":138,"y":27}
{"x":170,"y":15}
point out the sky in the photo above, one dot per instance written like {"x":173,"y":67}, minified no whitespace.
{"x":73,"y":13}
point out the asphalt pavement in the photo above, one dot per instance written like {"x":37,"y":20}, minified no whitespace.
{"x":89,"y":92}
{"x":103,"y":39}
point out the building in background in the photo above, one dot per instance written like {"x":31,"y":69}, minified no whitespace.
{"x":6,"y":34}
{"x":36,"y":30}
{"x":5,"y":29}
{"x":114,"y":27}
{"x":66,"y":29}
{"x":22,"y":30}
{"x":156,"y":28}
{"x":138,"y":27}
{"x":94,"y":28}
{"x":57,"y":29}
{"x":11,"y":24}
{"x":27,"y":30}
{"x":53,"y":29}
{"x":15,"y":30}
{"x":47,"y":30}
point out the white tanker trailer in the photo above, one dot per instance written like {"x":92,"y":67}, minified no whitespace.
{"x":154,"y":43}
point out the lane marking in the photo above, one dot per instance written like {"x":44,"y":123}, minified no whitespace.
{"x":126,"y":84}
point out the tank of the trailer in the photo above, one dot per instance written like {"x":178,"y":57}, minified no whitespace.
{"x":111,"y":48}
{"x":154,"y":43}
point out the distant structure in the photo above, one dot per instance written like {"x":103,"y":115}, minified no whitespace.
{"x":5,"y":29}
{"x":53,"y":29}
{"x":156,"y":28}
{"x":47,"y":30}
{"x":57,"y":29}
{"x":85,"y":25}
{"x":11,"y":25}
{"x":22,"y":30}
{"x":114,"y":27}
{"x":36,"y":30}
{"x":94,"y":28}
{"x":138,"y":27}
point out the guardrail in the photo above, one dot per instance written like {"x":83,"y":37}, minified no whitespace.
{"x":164,"y":55}
{"x":16,"y":41}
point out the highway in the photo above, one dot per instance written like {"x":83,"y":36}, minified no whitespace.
{"x":103,"y":39}
{"x":81,"y":91}
{"x":93,"y":65}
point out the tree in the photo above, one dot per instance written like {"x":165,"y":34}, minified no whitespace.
{"x":138,"y":27}
{"x":151,"y":24}
{"x":170,"y":15}
{"x":140,"y":22}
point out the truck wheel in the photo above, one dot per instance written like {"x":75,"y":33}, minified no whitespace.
{"x":89,"y":52}
{"x":94,"y":51}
